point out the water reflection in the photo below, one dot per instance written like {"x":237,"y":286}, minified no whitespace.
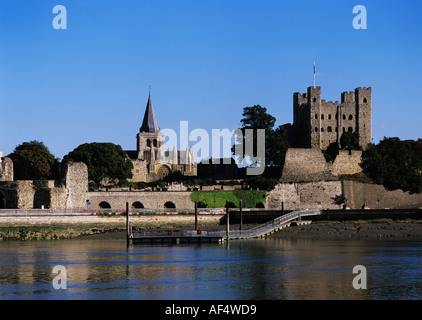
{"x":253,"y":269}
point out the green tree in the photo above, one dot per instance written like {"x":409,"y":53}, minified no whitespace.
{"x":350,"y":141}
{"x":395,"y":164}
{"x":256,"y":117}
{"x":104,"y":160}
{"x":33,"y":161}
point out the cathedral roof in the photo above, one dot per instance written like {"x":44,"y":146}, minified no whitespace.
{"x":150,"y":123}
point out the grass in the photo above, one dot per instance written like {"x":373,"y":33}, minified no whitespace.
{"x":217,"y":199}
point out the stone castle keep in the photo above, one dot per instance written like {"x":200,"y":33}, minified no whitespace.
{"x":307,"y":181}
{"x":317,"y":123}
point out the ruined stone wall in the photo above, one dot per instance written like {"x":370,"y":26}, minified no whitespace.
{"x":6,"y":169}
{"x":75,"y":181}
{"x":311,"y":195}
{"x":376,"y":196}
{"x":310,"y":165}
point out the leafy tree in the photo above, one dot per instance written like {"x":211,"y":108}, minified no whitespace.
{"x":33,"y":161}
{"x":104,"y":160}
{"x":395,"y":164}
{"x":256,"y":117}
{"x":261,"y":183}
{"x":350,"y":141}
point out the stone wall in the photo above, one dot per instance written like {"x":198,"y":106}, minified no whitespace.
{"x":149,"y":199}
{"x":6,"y":169}
{"x":75,"y":180}
{"x":306,"y":165}
{"x":319,"y":195}
{"x":311,"y":195}
{"x":376,"y":196}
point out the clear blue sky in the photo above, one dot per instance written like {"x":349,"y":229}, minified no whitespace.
{"x":204,"y":59}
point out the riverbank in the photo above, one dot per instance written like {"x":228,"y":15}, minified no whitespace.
{"x":59,"y":227}
{"x":355,"y":230}
{"x":103,"y":227}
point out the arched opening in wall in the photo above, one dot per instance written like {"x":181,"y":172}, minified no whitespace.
{"x":344,"y":117}
{"x":163,"y":171}
{"x":2,"y":200}
{"x":350,"y":117}
{"x":329,"y":129}
{"x":154,"y":142}
{"x":350,"y":129}
{"x":322,"y":129}
{"x":148,"y":143}
{"x":104,"y":205}
{"x":260,"y":205}
{"x":329,"y":117}
{"x":322,"y":117}
{"x":137,"y":205}
{"x":316,"y":129}
{"x":365,"y":100}
{"x":316,"y":116}
{"x":169,"y":205}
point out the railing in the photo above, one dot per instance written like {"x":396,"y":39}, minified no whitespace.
{"x":273,"y":224}
{"x":257,"y":231}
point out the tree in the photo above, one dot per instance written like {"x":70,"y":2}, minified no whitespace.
{"x":256,"y":117}
{"x":350,"y":141}
{"x":33,"y":161}
{"x":395,"y":164}
{"x":104,"y":160}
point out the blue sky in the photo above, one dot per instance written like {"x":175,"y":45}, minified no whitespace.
{"x":205,"y":61}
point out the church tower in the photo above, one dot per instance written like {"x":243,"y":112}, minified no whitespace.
{"x":149,"y":139}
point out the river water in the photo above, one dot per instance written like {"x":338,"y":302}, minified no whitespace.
{"x":264,"y":269}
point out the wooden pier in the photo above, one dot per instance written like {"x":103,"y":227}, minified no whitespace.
{"x":174,"y":239}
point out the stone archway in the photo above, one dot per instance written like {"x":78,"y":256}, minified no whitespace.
{"x":169,"y":205}
{"x":104,"y":205}
{"x":137,"y":205}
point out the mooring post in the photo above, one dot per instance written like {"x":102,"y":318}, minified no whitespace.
{"x":127,"y":223}
{"x":241,"y":216}
{"x":228,"y":220}
{"x":196,"y":215}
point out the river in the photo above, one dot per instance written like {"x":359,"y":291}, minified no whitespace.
{"x":264,"y":269}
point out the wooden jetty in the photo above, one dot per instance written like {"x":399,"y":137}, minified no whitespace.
{"x":203,"y":236}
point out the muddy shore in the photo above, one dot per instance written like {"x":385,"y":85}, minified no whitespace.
{"x":114,"y":228}
{"x":382,"y":229}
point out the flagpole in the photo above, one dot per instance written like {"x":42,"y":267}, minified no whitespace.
{"x":314,"y":74}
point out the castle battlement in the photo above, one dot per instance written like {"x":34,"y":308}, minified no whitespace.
{"x":317,"y":123}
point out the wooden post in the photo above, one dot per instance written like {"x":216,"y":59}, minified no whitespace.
{"x":127,"y":223}
{"x":241,"y":215}
{"x":196,"y":215}
{"x":228,"y":220}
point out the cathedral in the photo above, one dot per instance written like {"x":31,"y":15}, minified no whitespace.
{"x":150,"y":161}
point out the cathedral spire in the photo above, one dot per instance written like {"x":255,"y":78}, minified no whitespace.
{"x":150,"y":123}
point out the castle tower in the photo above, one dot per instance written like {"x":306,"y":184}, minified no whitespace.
{"x":318,"y":123}
{"x":314,"y":103}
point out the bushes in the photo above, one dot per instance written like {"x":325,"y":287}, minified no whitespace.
{"x":217,"y":199}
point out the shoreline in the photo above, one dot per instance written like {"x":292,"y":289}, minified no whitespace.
{"x":115,"y":228}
